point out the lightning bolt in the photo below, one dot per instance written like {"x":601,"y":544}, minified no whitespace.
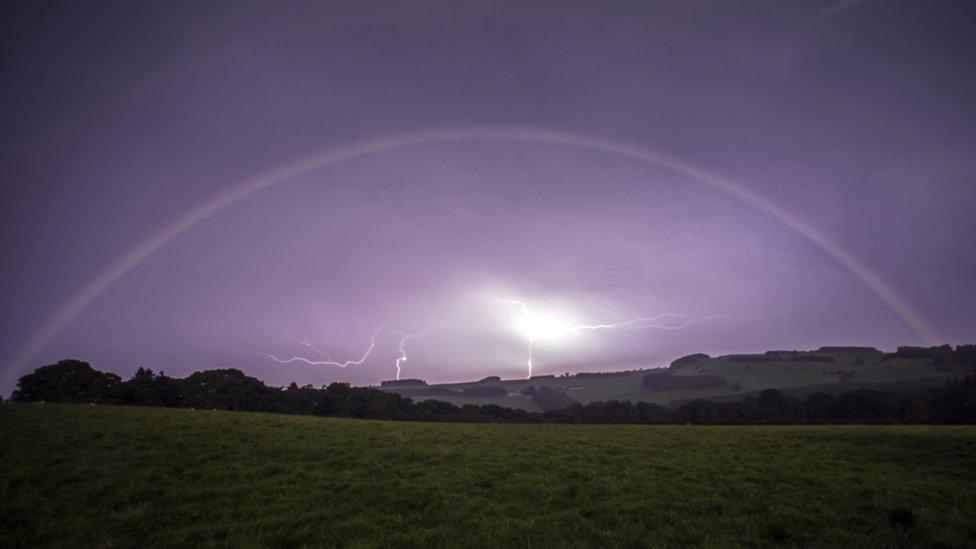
{"x":401,"y":349}
{"x":634,"y":324}
{"x":307,"y":344}
{"x":404,"y":338}
{"x":355,"y":362}
{"x":645,"y":323}
{"x":525,"y":312}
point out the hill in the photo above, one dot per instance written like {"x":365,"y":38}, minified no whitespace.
{"x":827,"y":369}
{"x":81,"y":475}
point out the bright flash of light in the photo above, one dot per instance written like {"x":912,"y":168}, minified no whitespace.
{"x":535,"y":326}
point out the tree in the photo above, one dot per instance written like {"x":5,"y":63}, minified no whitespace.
{"x":819,"y":407}
{"x":149,"y":389}
{"x":67,"y":381}
{"x":228,"y":389}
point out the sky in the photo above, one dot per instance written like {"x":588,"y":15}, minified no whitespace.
{"x":198,"y":185}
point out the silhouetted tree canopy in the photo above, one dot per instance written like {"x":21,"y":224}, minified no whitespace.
{"x":67,"y":381}
{"x":402,"y":382}
{"x":849,"y":349}
{"x":230,"y":389}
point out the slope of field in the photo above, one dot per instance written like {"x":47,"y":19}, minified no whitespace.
{"x":846,"y":371}
{"x":75,"y":475}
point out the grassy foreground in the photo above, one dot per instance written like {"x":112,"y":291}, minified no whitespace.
{"x":113,"y":476}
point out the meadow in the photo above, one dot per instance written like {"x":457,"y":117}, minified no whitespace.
{"x":124,"y":476}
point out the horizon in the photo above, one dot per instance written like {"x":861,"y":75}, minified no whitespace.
{"x":449,"y":192}
{"x":379,"y":383}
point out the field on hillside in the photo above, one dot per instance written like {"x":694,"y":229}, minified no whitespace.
{"x":742,"y":377}
{"x":115,"y":476}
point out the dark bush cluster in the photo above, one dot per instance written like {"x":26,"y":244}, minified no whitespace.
{"x":954,"y":403}
{"x":402,"y":383}
{"x":850,"y":350}
{"x":754,"y":359}
{"x":943,"y":355}
{"x":231,"y":389}
{"x":591,"y":375}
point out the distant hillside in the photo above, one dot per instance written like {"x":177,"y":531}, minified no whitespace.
{"x":831,"y":369}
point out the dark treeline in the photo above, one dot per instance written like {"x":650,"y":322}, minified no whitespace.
{"x":944,"y":355}
{"x":230,"y":389}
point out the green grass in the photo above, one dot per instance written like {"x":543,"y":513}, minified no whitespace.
{"x":113,"y":476}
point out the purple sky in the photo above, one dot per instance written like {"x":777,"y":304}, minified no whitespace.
{"x":856,"y":118}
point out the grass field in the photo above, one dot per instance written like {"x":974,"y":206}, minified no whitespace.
{"x":106,"y":476}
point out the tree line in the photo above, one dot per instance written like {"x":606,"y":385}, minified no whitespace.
{"x":231,"y":389}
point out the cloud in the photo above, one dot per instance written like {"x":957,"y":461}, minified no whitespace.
{"x":844,"y":5}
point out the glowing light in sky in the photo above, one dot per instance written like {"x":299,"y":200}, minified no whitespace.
{"x":242,"y":189}
{"x":551,"y":326}
{"x":536,"y":326}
